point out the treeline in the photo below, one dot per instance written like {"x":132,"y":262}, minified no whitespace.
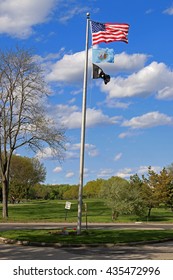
{"x":66,"y":191}
{"x":138,"y":195}
{"x":61,"y":192}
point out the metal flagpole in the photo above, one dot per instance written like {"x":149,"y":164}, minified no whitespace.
{"x":82,"y":149}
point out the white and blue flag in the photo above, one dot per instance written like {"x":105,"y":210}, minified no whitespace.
{"x":102,"y":55}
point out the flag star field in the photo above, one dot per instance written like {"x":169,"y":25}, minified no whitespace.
{"x":129,"y":123}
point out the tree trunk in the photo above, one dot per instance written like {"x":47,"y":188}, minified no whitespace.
{"x":114,"y":215}
{"x":5,"y":185}
{"x":149,"y":212}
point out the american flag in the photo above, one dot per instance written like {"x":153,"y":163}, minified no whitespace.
{"x":109,"y":32}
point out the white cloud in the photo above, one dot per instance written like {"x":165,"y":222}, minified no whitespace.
{"x":86,"y":172}
{"x":71,"y":155}
{"x":127,"y":134}
{"x":165,"y":93}
{"x":93,"y":153}
{"x":132,"y":62}
{"x":169,"y":11}
{"x":71,"y":12}
{"x":46,"y":153}
{"x":70,"y":68}
{"x":125,"y":63}
{"x":151,"y":119}
{"x":141,"y":170}
{"x":149,"y":11}
{"x":125,"y":173}
{"x":124,"y":135}
{"x":69,"y":175}
{"x":73,"y":150}
{"x":76,"y":91}
{"x":71,"y":101}
{"x":105,"y":173}
{"x":96,"y":117}
{"x":46,"y":60}
{"x":114,"y":103}
{"x":111,"y":103}
{"x":155,"y":78}
{"x":118,"y":156}
{"x":91,"y":150}
{"x":70,"y":117}
{"x":57,"y":169}
{"x":17,"y":17}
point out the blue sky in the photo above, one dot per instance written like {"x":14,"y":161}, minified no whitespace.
{"x":129,"y":120}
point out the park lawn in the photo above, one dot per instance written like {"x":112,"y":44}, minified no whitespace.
{"x":88,"y":237}
{"x":54,"y":211}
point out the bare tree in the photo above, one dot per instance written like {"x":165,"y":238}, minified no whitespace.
{"x":23,"y":120}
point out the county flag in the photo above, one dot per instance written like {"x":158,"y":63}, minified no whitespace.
{"x":109,"y":32}
{"x":102,"y":55}
{"x":98,"y":73}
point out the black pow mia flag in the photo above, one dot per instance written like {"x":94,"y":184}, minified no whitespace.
{"x":98,"y":73}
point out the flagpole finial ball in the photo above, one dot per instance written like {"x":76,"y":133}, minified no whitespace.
{"x":88,"y":14}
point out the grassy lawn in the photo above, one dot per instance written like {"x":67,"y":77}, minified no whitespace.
{"x":54,"y":211}
{"x":87,"y":237}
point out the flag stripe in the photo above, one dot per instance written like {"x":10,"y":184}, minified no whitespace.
{"x":109,"y":32}
{"x":99,"y":39}
{"x":103,"y":35}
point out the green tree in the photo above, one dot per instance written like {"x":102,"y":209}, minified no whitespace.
{"x":121,"y":197}
{"x":155,"y":188}
{"x":24,"y":173}
{"x":54,"y":192}
{"x":92,"y":188}
{"x":39,"y":191}
{"x":24,"y":119}
{"x":0,"y":192}
{"x":71,"y":193}
{"x":145,"y":192}
{"x":169,"y":186}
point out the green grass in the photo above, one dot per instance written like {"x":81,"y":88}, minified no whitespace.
{"x":54,"y":211}
{"x":88,"y":237}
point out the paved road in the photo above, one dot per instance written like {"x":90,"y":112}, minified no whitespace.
{"x":9,"y":226}
{"x":159,"y":251}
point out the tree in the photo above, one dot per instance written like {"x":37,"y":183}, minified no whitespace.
{"x":71,"y":193}
{"x":40,"y":191}
{"x":145,"y":192}
{"x":24,"y":120}
{"x":0,"y":193}
{"x":156,"y":187}
{"x":169,"y":201}
{"x":92,"y":188}
{"x":121,"y":197}
{"x":24,"y":173}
